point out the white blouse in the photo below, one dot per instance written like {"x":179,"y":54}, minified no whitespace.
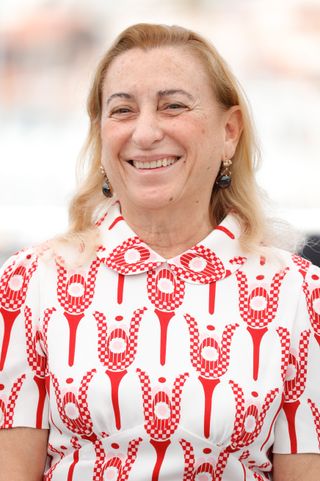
{"x":195,"y":368}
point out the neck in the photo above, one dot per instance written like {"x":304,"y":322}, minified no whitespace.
{"x":169,"y":232}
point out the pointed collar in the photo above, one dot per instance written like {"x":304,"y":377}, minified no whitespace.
{"x":213,"y":259}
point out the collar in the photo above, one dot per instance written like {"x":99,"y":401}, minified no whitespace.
{"x":214,"y":258}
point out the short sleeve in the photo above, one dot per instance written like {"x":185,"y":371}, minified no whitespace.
{"x":23,"y":366}
{"x":297,"y":429}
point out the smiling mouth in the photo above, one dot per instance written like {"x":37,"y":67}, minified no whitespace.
{"x":154,"y":164}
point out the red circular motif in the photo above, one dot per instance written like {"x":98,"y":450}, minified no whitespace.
{"x":207,"y":450}
{"x":315,"y":277}
{"x":115,"y":446}
{"x":1,"y":387}
{"x":29,"y":256}
{"x":254,"y":394}
{"x":260,"y":277}
{"x":119,"y":318}
{"x":162,"y":379}
{"x":69,"y":380}
{"x":210,"y":327}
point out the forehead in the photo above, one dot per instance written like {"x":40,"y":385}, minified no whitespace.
{"x":161,"y":67}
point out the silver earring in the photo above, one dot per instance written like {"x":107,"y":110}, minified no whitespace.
{"x":106,"y":188}
{"x":223,"y":180}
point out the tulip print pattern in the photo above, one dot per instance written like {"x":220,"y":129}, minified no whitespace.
{"x":211,"y":361}
{"x":161,"y":413}
{"x":74,"y":412}
{"x":316,"y":417}
{"x":7,"y":406}
{"x":75,"y":294}
{"x":203,"y":469}
{"x":186,"y":368}
{"x":115,"y":467}
{"x":36,"y":353}
{"x":249,"y":418}
{"x":295,"y":383}
{"x":117,"y":350}
{"x":13,"y":290}
{"x":166,"y":293}
{"x":258,"y":309}
{"x":311,"y":289}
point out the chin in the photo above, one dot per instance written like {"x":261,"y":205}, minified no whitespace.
{"x":151,"y":202}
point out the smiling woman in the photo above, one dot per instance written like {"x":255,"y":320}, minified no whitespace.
{"x":165,"y":336}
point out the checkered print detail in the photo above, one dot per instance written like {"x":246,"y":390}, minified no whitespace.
{"x":131,"y":457}
{"x":37,"y":362}
{"x":303,"y":264}
{"x":259,"y":318}
{"x":316,"y":417}
{"x":75,"y":442}
{"x":221,"y":464}
{"x":258,"y":477}
{"x":312,"y":296}
{"x":240,"y":437}
{"x":165,"y":290}
{"x":213,"y":268}
{"x":244,"y":455}
{"x":116,"y":260}
{"x":161,"y":430}
{"x":284,"y":336}
{"x":238,"y":260}
{"x":18,"y":273}
{"x":294,"y":388}
{"x":52,"y":450}
{"x":8,"y":408}
{"x":76,"y":304}
{"x":81,"y":425}
{"x":123,"y":466}
{"x":99,"y":464}
{"x":193,"y":469}
{"x":204,"y":367}
{"x":189,"y":460}
{"x":118,"y":361}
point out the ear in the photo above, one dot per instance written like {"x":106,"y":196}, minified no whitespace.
{"x":233,"y":128}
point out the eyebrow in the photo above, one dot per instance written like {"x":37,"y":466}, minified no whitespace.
{"x":161,"y":93}
{"x":122,"y":95}
{"x":167,"y":93}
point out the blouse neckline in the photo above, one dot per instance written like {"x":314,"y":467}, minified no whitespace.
{"x":214,"y":258}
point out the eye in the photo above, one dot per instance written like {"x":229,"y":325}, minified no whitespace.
{"x":120,"y":111}
{"x":175,"y":106}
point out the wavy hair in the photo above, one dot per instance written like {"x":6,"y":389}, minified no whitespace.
{"x":243,"y":197}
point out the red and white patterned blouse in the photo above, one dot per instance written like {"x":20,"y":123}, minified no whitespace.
{"x":194,"y":368}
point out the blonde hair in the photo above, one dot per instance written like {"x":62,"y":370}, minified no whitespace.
{"x":242,"y":197}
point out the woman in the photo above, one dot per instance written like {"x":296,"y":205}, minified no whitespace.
{"x":172,"y":342}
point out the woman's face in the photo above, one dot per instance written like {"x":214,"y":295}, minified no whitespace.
{"x":163,"y":132}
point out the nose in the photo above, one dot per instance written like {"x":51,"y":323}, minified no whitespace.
{"x":147,"y":130}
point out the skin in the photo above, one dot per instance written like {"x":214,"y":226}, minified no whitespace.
{"x":296,"y":467}
{"x":148,"y":116}
{"x":27,"y":446}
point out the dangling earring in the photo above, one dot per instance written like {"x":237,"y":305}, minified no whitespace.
{"x":223,"y":180}
{"x":106,"y":188}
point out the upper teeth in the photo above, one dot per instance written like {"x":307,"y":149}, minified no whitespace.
{"x":154,"y":163}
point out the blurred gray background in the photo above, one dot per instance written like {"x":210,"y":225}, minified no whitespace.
{"x":48,"y":51}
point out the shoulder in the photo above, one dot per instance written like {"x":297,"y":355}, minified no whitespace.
{"x":278,"y":259}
